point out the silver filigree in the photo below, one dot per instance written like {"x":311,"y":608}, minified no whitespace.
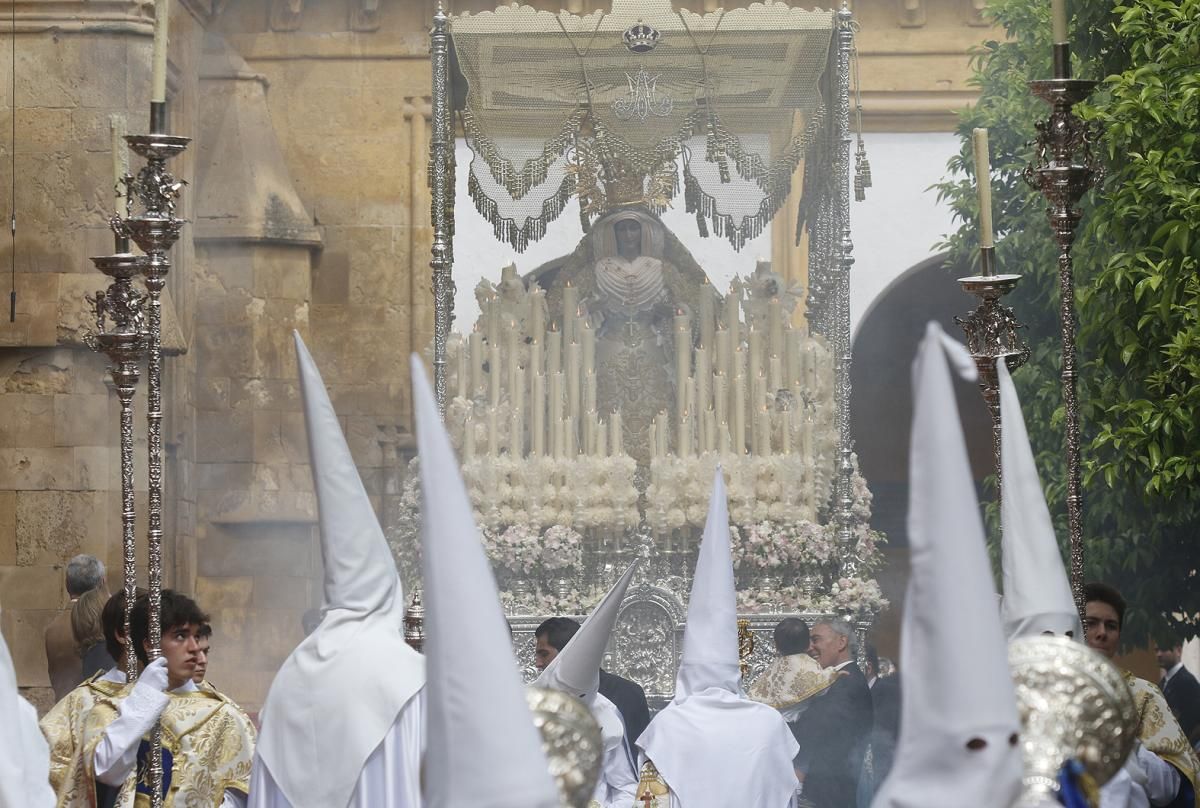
{"x":1073,"y":703}
{"x":571,"y":740}
{"x":643,"y":99}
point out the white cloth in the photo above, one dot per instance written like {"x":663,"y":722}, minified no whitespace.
{"x":714,"y":747}
{"x":24,"y":753}
{"x":576,"y":671}
{"x":1037,"y":594}
{"x":482,"y":749}
{"x":343,"y":687}
{"x":391,"y":777}
{"x":957,"y":684}
{"x":617,"y":785}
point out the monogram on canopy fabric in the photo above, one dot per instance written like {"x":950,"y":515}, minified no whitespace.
{"x":627,"y":106}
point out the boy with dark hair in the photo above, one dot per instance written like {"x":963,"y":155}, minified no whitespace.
{"x":207,"y":741}
{"x":63,"y":726}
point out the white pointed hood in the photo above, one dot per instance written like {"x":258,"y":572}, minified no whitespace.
{"x":576,"y":669}
{"x":24,"y":754}
{"x":715,"y":747}
{"x":1037,"y":594}
{"x":710,"y":643}
{"x":342,"y":688}
{"x":482,"y":749}
{"x":957,"y":687}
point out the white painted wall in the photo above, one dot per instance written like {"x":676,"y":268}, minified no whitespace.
{"x":897,"y":225}
{"x":894,"y":229}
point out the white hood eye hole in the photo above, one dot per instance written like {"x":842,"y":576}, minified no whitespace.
{"x":1012,"y":739}
{"x":976,"y":744}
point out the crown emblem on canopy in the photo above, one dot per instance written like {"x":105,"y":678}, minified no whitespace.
{"x":641,"y":38}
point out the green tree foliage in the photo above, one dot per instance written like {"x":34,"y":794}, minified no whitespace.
{"x":1137,"y":271}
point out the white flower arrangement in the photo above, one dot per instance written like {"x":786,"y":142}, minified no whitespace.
{"x":561,"y":549}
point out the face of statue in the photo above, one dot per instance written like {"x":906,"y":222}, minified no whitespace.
{"x":629,"y":238}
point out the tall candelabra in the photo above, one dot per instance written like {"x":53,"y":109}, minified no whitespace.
{"x":441,"y":183}
{"x":121,"y":335}
{"x":1063,"y":170}
{"x":991,"y":332}
{"x":155,"y":229}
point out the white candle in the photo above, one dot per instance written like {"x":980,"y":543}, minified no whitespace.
{"x":764,"y":443}
{"x":573,"y":379}
{"x":469,"y":439}
{"x":120,"y":154}
{"x":476,"y":346}
{"x":703,"y":379}
{"x":510,"y":348}
{"x":618,"y":439}
{"x":589,"y":400}
{"x":571,"y":440}
{"x":983,"y":185}
{"x":556,"y":438}
{"x":588,"y":341}
{"x":683,"y":358}
{"x":535,"y":353}
{"x":732,"y":313}
{"x":775,"y":327}
{"x":710,"y":430}
{"x":601,"y":439}
{"x":791,"y":362}
{"x":720,"y":396}
{"x":493,"y":434}
{"x":707,"y":312}
{"x":516,"y":436}
{"x":556,"y":396}
{"x":1058,"y":20}
{"x":494,"y":374}
{"x":724,"y":353}
{"x":685,"y":436}
{"x":553,"y":350}
{"x":537,"y":312}
{"x":739,"y":414}
{"x":538,"y":414}
{"x":493,"y":320}
{"x":654,"y":440}
{"x":570,"y":302}
{"x":787,"y":432}
{"x":662,"y":433}
{"x":158,"y":73}
{"x":775,"y":364}
{"x":756,"y":353}
{"x":725,"y":442}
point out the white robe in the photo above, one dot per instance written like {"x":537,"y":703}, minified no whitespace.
{"x":1145,"y":780}
{"x":391,"y":777}
{"x":617,"y":785}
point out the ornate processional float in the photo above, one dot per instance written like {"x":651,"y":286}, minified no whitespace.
{"x":594,"y":394}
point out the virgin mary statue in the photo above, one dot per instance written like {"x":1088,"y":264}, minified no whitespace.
{"x":633,"y":276}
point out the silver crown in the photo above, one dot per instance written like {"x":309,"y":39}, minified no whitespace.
{"x":641,"y":38}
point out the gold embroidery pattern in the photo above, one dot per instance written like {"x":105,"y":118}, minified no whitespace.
{"x":1160,"y":733}
{"x":210,"y":739}
{"x":63,"y":727}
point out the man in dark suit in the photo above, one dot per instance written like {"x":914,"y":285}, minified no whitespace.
{"x":629,"y":697}
{"x":835,"y":730}
{"x":885,"y":729}
{"x":1182,"y":690}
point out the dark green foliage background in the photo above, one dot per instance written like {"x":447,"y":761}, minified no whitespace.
{"x":1138,"y":289}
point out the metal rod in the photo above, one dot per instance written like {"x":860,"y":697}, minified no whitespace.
{"x":441,"y":178}
{"x":844,"y":256}
{"x":1063,"y":171}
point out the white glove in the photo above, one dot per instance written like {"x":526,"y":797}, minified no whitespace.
{"x":154,"y":677}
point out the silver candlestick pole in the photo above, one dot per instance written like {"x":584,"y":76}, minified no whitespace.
{"x":441,"y":184}
{"x":1063,"y":170}
{"x":991,"y":332}
{"x":124,"y":344}
{"x":155,"y":229}
{"x":844,"y":258}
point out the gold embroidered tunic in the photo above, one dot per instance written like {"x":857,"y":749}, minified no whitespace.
{"x":63,"y":727}
{"x":1160,"y":733}
{"x":208,"y":748}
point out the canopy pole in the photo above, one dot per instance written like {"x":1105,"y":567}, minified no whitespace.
{"x":441,"y":185}
{"x":843,"y":262}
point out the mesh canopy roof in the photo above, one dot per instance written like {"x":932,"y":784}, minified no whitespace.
{"x":630,"y":105}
